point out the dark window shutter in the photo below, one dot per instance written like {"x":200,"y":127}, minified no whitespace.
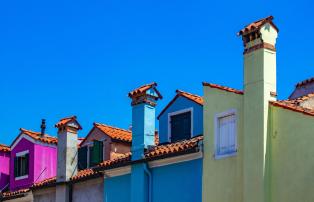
{"x":97,"y":153}
{"x":180,"y":126}
{"x":82,"y":158}
{"x":16,"y":167}
{"x":26,"y":164}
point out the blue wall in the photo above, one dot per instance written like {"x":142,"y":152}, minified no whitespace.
{"x":180,"y":104}
{"x":118,"y":189}
{"x":177,"y":182}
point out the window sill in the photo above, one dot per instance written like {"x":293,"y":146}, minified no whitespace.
{"x":222,"y":156}
{"x":21,"y":177}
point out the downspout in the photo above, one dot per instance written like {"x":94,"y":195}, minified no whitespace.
{"x":70,"y":192}
{"x":150,"y":182}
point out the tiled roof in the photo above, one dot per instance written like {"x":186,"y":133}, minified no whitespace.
{"x":14,"y":194}
{"x":223,"y":88}
{"x":299,"y":100}
{"x":288,"y":104}
{"x":115,"y":133}
{"x":161,"y":151}
{"x":141,"y":90}
{"x":4,"y":148}
{"x":195,"y":98}
{"x":66,"y":120}
{"x":305,"y":82}
{"x":257,"y":25}
{"x":37,"y":136}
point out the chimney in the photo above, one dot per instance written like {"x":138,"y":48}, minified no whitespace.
{"x":67,"y":155}
{"x":259,"y":39}
{"x":143,"y":104}
{"x":43,"y":127}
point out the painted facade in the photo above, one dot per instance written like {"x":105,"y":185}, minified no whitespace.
{"x":4,"y":167}
{"x":41,"y":163}
{"x":182,"y":102}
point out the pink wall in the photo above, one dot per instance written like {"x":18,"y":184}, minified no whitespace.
{"x":45,"y":162}
{"x":42,"y":163}
{"x":4,"y":169}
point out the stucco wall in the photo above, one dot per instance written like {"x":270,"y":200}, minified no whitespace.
{"x":222,"y":178}
{"x":292,"y":156}
{"x":180,"y":104}
{"x":45,"y":195}
{"x":117,"y":189}
{"x":22,"y":145}
{"x":91,"y":190}
{"x":4,"y":169}
{"x":45,"y":163}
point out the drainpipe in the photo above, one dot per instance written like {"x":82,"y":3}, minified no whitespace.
{"x":150,"y":182}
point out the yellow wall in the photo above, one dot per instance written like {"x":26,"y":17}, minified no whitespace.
{"x":222,"y":179}
{"x":292,"y":156}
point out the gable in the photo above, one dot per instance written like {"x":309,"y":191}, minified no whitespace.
{"x":23,"y":137}
{"x":94,"y":134}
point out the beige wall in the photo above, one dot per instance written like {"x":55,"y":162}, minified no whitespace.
{"x":45,"y":195}
{"x":89,"y":191}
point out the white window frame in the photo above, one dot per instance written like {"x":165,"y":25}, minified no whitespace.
{"x":19,"y":154}
{"x":217,"y":117}
{"x":176,"y":113}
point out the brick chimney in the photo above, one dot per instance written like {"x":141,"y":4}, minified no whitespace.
{"x":67,"y":155}
{"x":259,"y":39}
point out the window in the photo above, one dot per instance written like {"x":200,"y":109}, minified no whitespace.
{"x":180,"y":125}
{"x":82,"y":158}
{"x":226,"y":134}
{"x":21,"y":165}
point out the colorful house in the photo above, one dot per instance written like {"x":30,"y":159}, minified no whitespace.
{"x":4,"y":167}
{"x":257,"y":148}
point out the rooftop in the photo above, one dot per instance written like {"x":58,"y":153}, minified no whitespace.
{"x":228,"y":89}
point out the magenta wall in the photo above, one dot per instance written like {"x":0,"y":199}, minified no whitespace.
{"x":22,"y":145}
{"x":4,"y":169}
{"x":45,"y":162}
{"x":42,"y":163}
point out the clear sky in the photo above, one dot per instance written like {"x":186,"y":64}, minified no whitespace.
{"x":61,"y":58}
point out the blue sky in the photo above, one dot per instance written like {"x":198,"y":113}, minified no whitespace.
{"x":60,"y":58}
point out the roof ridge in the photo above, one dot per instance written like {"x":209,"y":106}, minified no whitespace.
{"x":292,"y":106}
{"x":304,"y":82}
{"x":114,"y":127}
{"x":37,"y":133}
{"x":225,"y":88}
{"x":181,"y":91}
{"x":69,"y":117}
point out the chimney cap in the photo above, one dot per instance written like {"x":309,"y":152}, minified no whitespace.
{"x":143,"y":89}
{"x":255,"y":26}
{"x":65,"y":121}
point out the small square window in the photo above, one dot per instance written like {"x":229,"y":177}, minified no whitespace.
{"x":225,"y":134}
{"x":21,"y":165}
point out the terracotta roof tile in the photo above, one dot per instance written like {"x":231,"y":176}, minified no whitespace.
{"x":4,"y":148}
{"x":223,"y":88}
{"x":256,"y":25}
{"x":14,"y":194}
{"x":141,"y":90}
{"x":37,"y":136}
{"x":66,"y":120}
{"x":305,"y":82}
{"x":115,"y":133}
{"x":195,"y":98}
{"x":290,"y":105}
{"x":45,"y":183}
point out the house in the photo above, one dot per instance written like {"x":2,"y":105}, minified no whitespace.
{"x":103,"y":143}
{"x":32,"y":159}
{"x":182,"y":118}
{"x":258,"y":148}
{"x":4,"y":167}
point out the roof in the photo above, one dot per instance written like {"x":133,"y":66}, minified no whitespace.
{"x":37,"y":136}
{"x":4,"y":148}
{"x":66,"y":120}
{"x":305,"y":82}
{"x":291,"y":105}
{"x":158,"y":152}
{"x":228,"y":89}
{"x":14,"y":194}
{"x":195,"y":98}
{"x":142,"y":89}
{"x":113,"y":132}
{"x":257,"y":25}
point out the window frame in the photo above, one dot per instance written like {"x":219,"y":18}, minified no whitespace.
{"x":21,"y":154}
{"x":170,"y":114}
{"x":216,"y":147}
